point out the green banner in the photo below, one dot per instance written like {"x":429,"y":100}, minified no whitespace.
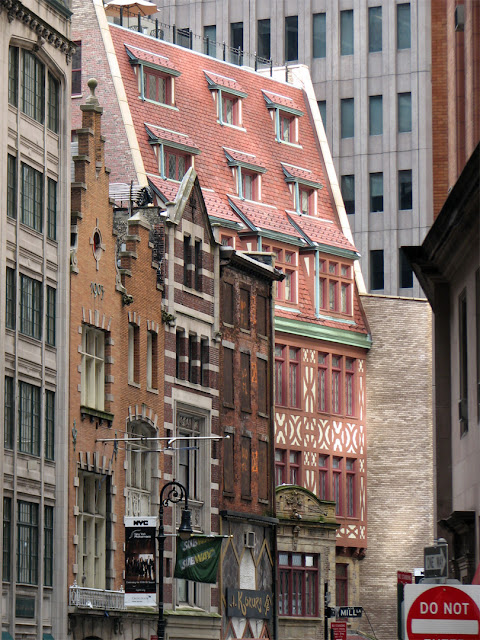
{"x":198,"y":558}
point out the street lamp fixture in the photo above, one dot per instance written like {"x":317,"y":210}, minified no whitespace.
{"x":171,"y":493}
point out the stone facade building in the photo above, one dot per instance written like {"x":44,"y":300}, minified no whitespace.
{"x":35,"y":67}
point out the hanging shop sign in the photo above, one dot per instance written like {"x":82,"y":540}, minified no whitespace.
{"x":198,"y":558}
{"x":246,"y":603}
{"x":140,"y":582}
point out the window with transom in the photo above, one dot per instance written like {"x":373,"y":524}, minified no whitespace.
{"x":139,"y":469}
{"x":93,"y":368}
{"x":336,"y":384}
{"x":286,"y":262}
{"x":298,"y":575}
{"x":287,"y":376}
{"x":94,"y":502}
{"x":336,"y":286}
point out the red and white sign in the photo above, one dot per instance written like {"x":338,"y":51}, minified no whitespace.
{"x":442,"y":612}
{"x":339,"y":630}
{"x":404,"y":577}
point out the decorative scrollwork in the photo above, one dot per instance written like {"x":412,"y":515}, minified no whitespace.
{"x":175,"y":492}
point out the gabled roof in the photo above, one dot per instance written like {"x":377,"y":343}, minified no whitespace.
{"x":192,"y":122}
{"x":150,"y":59}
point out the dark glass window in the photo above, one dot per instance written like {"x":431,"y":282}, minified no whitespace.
{"x":375,"y":115}
{"x":236,"y":42}
{"x":13,"y":76}
{"x":319,"y":23}
{"x":263,"y":39}
{"x":376,"y":269}
{"x":30,"y":307}
{"x":406,"y":272}
{"x":27,"y":543}
{"x":322,"y":106}
{"x":77,"y":70}
{"x":52,"y":209}
{"x":50,"y":316}
{"x":9,"y":413}
{"x":210,"y":37}
{"x":376,"y":192}
{"x":348,"y":193}
{"x":405,"y":189}
{"x":297,"y":584}
{"x":32,"y":197}
{"x":291,"y":38}
{"x":48,"y":547}
{"x":11,"y":186}
{"x":29,"y":419}
{"x":347,"y":122}
{"x":374,"y":29}
{"x":49,"y":424}
{"x":10,"y":299}
{"x":53,"y":103}
{"x":33,"y":87}
{"x":346,"y":32}
{"x":404,"y":112}
{"x":403,"y":26}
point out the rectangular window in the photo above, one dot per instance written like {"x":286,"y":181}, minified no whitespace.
{"x":348,"y":193}
{"x":52,"y":209}
{"x":31,"y":195}
{"x":404,"y":112}
{"x":375,"y":115}
{"x":192,"y":358}
{"x":11,"y":186}
{"x":297,"y":584}
{"x":280,"y":383}
{"x":319,"y":24}
{"x":294,"y":458}
{"x":198,"y":265}
{"x":13,"y":76}
{"x":27,"y":543}
{"x":323,"y":382}
{"x":33,"y":87}
{"x":50,"y":312}
{"x":287,"y":128}
{"x":29,"y":419}
{"x":337,"y":485}
{"x":405,"y":271}
{"x":228,"y":392}
{"x":263,"y":475}
{"x":346,"y":32}
{"x":262,"y":315}
{"x":93,"y":506}
{"x":157,"y":87}
{"x":30,"y":307}
{"x":77,"y":70}
{"x":187,"y":261}
{"x":350,"y":386}
{"x":350,"y":488}
{"x":405,"y":189}
{"x":376,"y":192}
{"x":204,"y":363}
{"x":246,"y":467}
{"x":49,"y":425}
{"x":335,"y":286}
{"x":175,"y":165}
{"x":403,"y":26}
{"x":244,"y":309}
{"x":323,"y":486}
{"x":93,"y":368}
{"x":228,"y":464}
{"x":322,"y":107}
{"x":228,"y":303}
{"x":236,"y":38}
{"x":7,"y":538}
{"x":262,"y":386}
{"x":48,"y":547}
{"x":336,"y":400}
{"x":280,"y":467}
{"x":10,"y":299}
{"x":133,"y":353}
{"x":9,"y":413}
{"x":291,"y":38}
{"x":341,"y":583}
{"x":374,"y":29}
{"x":263,"y":39}
{"x":294,"y":376}
{"x":376,"y":270}
{"x":152,"y":360}
{"x":53,"y":103}
{"x":179,"y":353}
{"x":209,"y":38}
{"x":347,"y":122}
{"x":463,"y":362}
{"x":245,"y":380}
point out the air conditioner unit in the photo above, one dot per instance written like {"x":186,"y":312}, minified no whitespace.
{"x":249,"y":539}
{"x":459,"y":17}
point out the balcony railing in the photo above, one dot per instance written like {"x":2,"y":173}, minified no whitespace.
{"x":85,"y":598}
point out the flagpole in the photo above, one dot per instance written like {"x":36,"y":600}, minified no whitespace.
{"x":175,"y":492}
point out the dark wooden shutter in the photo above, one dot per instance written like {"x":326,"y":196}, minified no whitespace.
{"x":244,"y":308}
{"x":228,"y":464}
{"x":262,"y":315}
{"x":245,"y":396}
{"x":228,"y":397}
{"x":227,"y":306}
{"x":263,"y":470}
{"x":246,"y":467}
{"x":262,"y":385}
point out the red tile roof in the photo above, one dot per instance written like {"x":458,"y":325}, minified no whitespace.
{"x":195,"y":116}
{"x":170,"y":136}
{"x":149,"y":56}
{"x":242,"y":157}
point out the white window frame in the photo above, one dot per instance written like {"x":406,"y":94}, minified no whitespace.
{"x":93,"y":368}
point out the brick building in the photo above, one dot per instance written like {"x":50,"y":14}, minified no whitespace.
{"x":268,"y":185}
{"x":247,"y":499}
{"x":35,"y":67}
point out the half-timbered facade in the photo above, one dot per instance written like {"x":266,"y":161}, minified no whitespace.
{"x":268,"y":184}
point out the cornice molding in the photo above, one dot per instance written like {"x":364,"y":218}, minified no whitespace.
{"x":45,"y":32}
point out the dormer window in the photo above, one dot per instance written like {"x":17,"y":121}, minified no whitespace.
{"x":247,"y":172}
{"x":156,"y":75}
{"x":228,"y":95}
{"x":286,"y":262}
{"x":285,"y":114}
{"x":175,"y":151}
{"x":304,"y":188}
{"x":335,"y":285}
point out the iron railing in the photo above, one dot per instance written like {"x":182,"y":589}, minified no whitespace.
{"x":85,"y":598}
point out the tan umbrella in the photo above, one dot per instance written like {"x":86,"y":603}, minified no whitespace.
{"x":140,"y":7}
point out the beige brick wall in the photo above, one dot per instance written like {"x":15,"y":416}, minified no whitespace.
{"x":400,"y":453}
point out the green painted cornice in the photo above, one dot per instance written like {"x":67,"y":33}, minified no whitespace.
{"x":321,"y":332}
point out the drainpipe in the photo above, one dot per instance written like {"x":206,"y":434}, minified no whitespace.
{"x":317,"y":283}
{"x":272,"y":462}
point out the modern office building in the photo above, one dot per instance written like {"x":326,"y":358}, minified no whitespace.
{"x":35,"y":65}
{"x":370,"y":68}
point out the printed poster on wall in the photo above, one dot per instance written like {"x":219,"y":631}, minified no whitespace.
{"x":140,"y":578}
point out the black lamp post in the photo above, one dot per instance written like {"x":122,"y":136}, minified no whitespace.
{"x":172,"y":492}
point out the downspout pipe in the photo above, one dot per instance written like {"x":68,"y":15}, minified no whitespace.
{"x":317,"y":283}
{"x":272,"y":462}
